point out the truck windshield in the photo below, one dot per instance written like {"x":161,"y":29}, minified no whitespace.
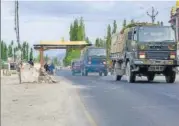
{"x":156,"y":34}
{"x":97,"y":52}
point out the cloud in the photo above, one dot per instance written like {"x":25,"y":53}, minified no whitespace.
{"x":101,"y":5}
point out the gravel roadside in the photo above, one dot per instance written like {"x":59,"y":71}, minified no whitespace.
{"x":40,"y":104}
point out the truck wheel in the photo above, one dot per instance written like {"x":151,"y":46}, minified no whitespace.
{"x":170,"y":78}
{"x":129,"y":74}
{"x":82,"y":73}
{"x":73,"y":73}
{"x":85,"y":72}
{"x":100,"y":73}
{"x":118,"y":77}
{"x":151,"y":77}
{"x":105,"y":73}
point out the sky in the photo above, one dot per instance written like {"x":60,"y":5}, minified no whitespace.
{"x":50,"y":20}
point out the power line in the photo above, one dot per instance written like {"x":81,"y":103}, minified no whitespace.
{"x":153,"y":15}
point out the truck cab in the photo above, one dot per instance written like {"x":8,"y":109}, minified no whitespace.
{"x":94,"y":60}
{"x":148,"y":51}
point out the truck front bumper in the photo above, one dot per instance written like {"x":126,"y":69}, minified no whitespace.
{"x":155,"y":62}
{"x":96,"y":68}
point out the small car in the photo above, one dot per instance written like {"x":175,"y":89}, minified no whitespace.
{"x":75,"y":67}
{"x":94,"y":60}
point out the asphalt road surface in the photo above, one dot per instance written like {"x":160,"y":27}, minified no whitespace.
{"x":112,"y":103}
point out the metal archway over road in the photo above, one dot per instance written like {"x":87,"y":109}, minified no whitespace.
{"x":47,"y":45}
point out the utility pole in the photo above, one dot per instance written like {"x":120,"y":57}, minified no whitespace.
{"x":153,"y":15}
{"x":19,"y":53}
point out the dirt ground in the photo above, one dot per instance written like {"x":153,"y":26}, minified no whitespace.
{"x":31,"y":104}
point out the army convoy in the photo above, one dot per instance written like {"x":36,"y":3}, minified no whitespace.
{"x":144,"y":49}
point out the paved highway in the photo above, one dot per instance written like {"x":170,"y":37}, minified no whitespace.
{"x":112,"y":103}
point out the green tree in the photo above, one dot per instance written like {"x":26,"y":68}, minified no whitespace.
{"x":2,"y":49}
{"x":158,"y":22}
{"x":71,"y":32}
{"x":87,"y":40}
{"x":161,"y":23}
{"x":114,"y":27}
{"x":101,"y":42}
{"x":31,"y":53}
{"x":55,"y":61}
{"x":62,"y":39}
{"x":27,"y":52}
{"x":97,"y":43}
{"x":75,"y":30}
{"x":5,"y":52}
{"x":46,"y":58}
{"x":76,"y":33}
{"x":132,"y":21}
{"x":81,"y":30}
{"x":10,"y":49}
{"x":108,"y":41}
{"x":24,"y":51}
{"x":124,"y":23}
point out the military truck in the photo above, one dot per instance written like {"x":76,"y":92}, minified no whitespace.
{"x":144,"y":49}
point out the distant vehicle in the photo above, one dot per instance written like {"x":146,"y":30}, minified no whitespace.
{"x":94,"y":60}
{"x":75,"y":67}
{"x":144,"y":49}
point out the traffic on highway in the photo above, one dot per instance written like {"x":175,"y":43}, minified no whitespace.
{"x":116,"y":64}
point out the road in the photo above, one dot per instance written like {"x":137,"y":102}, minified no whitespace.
{"x":112,"y":103}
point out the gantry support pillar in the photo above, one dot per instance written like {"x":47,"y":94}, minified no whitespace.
{"x":41,"y":57}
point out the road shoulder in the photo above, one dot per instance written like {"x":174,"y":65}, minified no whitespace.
{"x":41,"y":104}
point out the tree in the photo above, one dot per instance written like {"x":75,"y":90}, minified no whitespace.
{"x":81,"y":29}
{"x":75,"y":30}
{"x":71,"y":32}
{"x":97,"y":44}
{"x":24,"y":51}
{"x":31,"y":53}
{"x":10,"y":51}
{"x":27,"y":52}
{"x":76,"y":33}
{"x":87,"y":40}
{"x":101,"y":43}
{"x":108,"y":41}
{"x":4,"y":51}
{"x":161,"y":23}
{"x":55,"y":61}
{"x":62,"y":39}
{"x":114,"y":27}
{"x":132,"y":21}
{"x":46,"y":58}
{"x":158,"y":22}
{"x":124,"y":23}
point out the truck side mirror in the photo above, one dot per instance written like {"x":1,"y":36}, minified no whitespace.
{"x":130,"y":35}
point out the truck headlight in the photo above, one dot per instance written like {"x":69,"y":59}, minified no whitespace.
{"x":142,"y":55}
{"x":172,"y":55}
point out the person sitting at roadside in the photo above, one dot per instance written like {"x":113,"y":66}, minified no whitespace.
{"x":31,"y":62}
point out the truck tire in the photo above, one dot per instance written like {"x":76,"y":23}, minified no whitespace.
{"x":105,"y":73}
{"x":118,"y":77}
{"x":73,"y":73}
{"x":150,"y":77}
{"x":170,"y":78}
{"x":85,"y":72}
{"x":82,"y":73}
{"x":129,"y":74}
{"x":100,"y":73}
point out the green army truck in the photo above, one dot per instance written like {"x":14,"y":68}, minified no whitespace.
{"x":144,"y":49}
